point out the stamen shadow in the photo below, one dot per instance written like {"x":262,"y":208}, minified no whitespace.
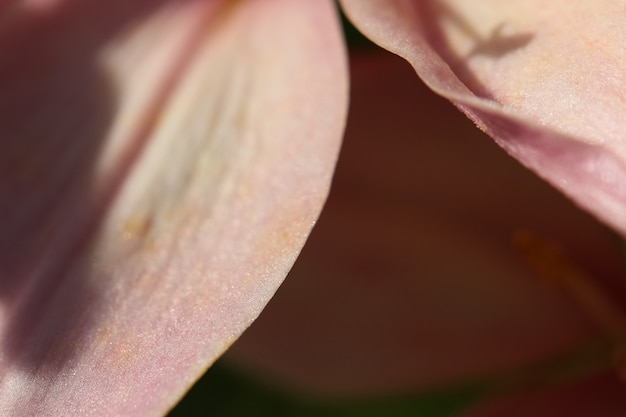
{"x":431,"y":13}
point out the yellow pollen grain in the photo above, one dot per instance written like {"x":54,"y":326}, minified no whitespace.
{"x":136,"y":227}
{"x":102,"y":336}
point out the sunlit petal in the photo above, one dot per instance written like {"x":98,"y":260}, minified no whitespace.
{"x":546,"y":80}
{"x":411,"y":279}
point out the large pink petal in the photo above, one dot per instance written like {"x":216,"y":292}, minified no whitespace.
{"x":161,"y":164}
{"x":546,"y":80}
{"x":410,"y":279}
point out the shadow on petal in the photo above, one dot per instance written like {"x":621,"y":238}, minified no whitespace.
{"x":56,"y":109}
{"x":432,"y":15}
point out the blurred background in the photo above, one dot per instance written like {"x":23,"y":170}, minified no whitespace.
{"x":419,"y":192}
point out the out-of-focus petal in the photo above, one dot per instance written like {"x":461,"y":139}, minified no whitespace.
{"x":410,"y":279}
{"x":547,"y":81}
{"x":602,"y":395}
{"x":161,"y":164}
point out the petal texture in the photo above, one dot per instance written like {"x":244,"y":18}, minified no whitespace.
{"x":162,"y":165}
{"x":547,"y":81}
{"x":413,"y":257}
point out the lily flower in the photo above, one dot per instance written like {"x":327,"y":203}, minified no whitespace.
{"x":163,"y":161}
{"x":442,"y":271}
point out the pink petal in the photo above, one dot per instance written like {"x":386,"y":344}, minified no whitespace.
{"x":600,"y":396}
{"x":547,"y":81}
{"x":161,"y":165}
{"x":410,"y":280}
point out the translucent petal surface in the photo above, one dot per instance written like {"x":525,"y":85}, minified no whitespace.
{"x":547,"y":81}
{"x":411,"y":279}
{"x":161,"y":165}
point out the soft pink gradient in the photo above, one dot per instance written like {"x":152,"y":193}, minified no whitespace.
{"x":411,"y":279}
{"x":545,"y":80}
{"x":162,"y":163}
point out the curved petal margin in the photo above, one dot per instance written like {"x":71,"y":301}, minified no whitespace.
{"x":550,"y":95}
{"x":414,"y":257}
{"x":136,"y":258}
